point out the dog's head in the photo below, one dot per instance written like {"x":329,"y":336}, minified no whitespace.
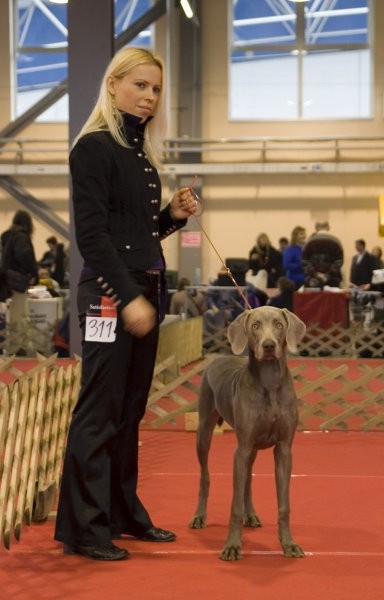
{"x":267,"y":331}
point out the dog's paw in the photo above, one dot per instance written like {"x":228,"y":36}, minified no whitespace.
{"x":232,"y":552}
{"x":252,"y":520}
{"x":293,"y":550}
{"x":198,"y":522}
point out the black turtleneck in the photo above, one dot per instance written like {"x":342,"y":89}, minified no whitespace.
{"x":134,"y":128}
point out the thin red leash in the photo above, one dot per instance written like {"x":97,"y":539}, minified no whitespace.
{"x":200,"y":202}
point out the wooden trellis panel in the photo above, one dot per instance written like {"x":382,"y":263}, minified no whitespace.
{"x":216,"y":340}
{"x":336,"y":341}
{"x":333,"y":341}
{"x":368,"y":342}
{"x":354,"y":341}
{"x":338,"y":400}
{"x":345,"y":396}
{"x":182,"y":391}
{"x":35,"y":410}
{"x":29,"y":336}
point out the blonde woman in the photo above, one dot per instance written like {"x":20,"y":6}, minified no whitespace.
{"x":263,"y":256}
{"x":119,"y":224}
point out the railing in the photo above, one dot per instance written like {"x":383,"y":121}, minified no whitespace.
{"x":33,"y":150}
{"x":264,"y":150}
{"x":278,"y":149}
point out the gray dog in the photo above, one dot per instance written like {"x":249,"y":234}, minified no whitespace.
{"x":256,"y":396}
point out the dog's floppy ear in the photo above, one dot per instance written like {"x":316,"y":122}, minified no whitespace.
{"x":296,"y":330}
{"x":237,"y":333}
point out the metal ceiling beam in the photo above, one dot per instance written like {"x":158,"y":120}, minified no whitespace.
{"x":37,"y":207}
{"x":35,"y":111}
{"x":158,"y":10}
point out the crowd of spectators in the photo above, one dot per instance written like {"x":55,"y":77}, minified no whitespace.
{"x":21,"y":272}
{"x":300,"y":262}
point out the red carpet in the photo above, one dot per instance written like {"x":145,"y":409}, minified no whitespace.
{"x":337,"y":516}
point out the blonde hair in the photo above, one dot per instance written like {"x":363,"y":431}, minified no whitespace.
{"x":262,"y":237}
{"x":105,"y":118}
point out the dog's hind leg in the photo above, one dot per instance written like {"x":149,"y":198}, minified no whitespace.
{"x":208,"y":418}
{"x":250,"y":517}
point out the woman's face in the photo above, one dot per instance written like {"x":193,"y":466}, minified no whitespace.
{"x":301,"y":237}
{"x":138,"y":91}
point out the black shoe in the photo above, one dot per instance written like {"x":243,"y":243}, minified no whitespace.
{"x":155,"y":534}
{"x":101,"y":552}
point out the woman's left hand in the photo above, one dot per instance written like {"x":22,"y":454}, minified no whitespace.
{"x":183,"y":204}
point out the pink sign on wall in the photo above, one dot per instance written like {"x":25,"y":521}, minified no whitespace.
{"x":190,"y":239}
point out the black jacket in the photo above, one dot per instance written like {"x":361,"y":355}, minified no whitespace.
{"x":361,"y":272}
{"x":116,"y":196}
{"x":322,"y":253}
{"x":18,"y":253}
{"x":271,"y":260}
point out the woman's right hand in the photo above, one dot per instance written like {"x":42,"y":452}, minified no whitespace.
{"x":139,"y":317}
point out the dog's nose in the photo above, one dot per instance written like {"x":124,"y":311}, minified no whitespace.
{"x":269,"y":346}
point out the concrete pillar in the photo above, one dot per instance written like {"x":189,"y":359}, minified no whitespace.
{"x":90,"y":48}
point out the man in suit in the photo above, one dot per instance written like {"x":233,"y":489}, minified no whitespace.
{"x":362,"y":266}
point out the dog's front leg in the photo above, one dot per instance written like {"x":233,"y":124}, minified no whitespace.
{"x":199,"y":519}
{"x":207,"y":421}
{"x":232,"y":548}
{"x":250,"y":517}
{"x":283,"y":465}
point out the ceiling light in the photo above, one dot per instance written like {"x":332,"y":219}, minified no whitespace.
{"x":186,"y":8}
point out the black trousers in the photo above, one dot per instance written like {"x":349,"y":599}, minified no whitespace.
{"x":98,"y":495}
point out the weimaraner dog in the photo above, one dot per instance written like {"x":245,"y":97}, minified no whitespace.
{"x":256,"y":396}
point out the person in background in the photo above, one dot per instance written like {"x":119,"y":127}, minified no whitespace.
{"x":119,"y":224}
{"x":54,"y":260}
{"x":57,"y":270}
{"x":292,"y":257}
{"x":188,"y":302}
{"x":46,"y":280}
{"x":283,"y":243}
{"x":49,"y":256}
{"x":284,"y":299}
{"x":377,"y":251}
{"x":322,"y":258}
{"x":264,"y":256}
{"x":18,"y":256}
{"x":5,"y":290}
{"x":362,"y":266}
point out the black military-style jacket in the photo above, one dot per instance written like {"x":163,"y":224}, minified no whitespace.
{"x":116,"y":194}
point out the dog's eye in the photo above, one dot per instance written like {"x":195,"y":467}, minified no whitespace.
{"x":256,"y":325}
{"x":279,"y":324}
